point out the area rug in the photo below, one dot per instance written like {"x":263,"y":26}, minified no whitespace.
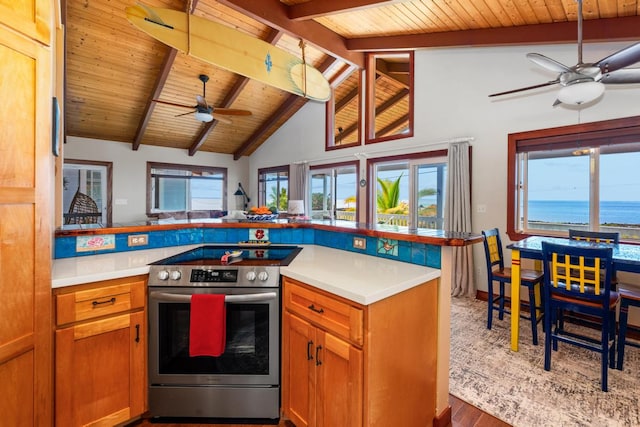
{"x":514,"y":387}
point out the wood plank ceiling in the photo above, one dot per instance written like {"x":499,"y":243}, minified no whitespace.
{"x":114,"y":71}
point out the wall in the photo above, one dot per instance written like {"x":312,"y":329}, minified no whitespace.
{"x":451,"y":100}
{"x":130,"y":170}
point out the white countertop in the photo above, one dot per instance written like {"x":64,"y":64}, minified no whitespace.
{"x":360,"y":278}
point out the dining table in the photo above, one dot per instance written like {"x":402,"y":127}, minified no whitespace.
{"x":626,"y":257}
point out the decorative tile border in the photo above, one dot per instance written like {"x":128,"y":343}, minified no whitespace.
{"x":405,"y":251}
{"x":99,"y":242}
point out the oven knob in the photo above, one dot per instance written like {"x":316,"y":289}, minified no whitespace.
{"x":176,"y":275}
{"x":163,"y":275}
{"x":251,"y":276}
{"x":263,"y":276}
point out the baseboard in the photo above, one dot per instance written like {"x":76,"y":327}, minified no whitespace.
{"x":443,"y":419}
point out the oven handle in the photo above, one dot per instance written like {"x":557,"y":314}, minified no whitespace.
{"x":164,"y":296}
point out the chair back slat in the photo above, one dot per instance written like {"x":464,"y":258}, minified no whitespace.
{"x":581,"y":272}
{"x":565,"y":270}
{"x":595,"y":236}
{"x":493,"y":248}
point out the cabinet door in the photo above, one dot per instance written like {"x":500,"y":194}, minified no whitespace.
{"x":98,"y":374}
{"x":298,"y":359}
{"x":25,"y":232}
{"x":339,"y":390}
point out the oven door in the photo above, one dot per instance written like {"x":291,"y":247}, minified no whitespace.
{"x":251,"y":355}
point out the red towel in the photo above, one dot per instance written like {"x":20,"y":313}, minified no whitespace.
{"x":207,"y":327}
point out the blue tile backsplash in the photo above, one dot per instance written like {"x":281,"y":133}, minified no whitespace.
{"x":411,"y":252}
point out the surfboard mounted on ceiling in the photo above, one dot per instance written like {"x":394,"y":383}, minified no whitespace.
{"x":231,"y":49}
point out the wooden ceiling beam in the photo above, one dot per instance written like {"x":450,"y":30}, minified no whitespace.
{"x":275,"y":14}
{"x":315,"y":8}
{"x":290,"y":105}
{"x":391,"y":126}
{"x":594,"y":30}
{"x":165,"y":69}
{"x":231,"y":96}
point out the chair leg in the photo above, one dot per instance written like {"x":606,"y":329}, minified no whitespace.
{"x":490,"y":300}
{"x":622,"y":340}
{"x":533,"y":316}
{"x":547,"y":337}
{"x":605,"y":354}
{"x":502,"y":298}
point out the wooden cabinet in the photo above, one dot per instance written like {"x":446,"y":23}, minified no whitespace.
{"x":26,"y":170}
{"x":352,"y":365}
{"x":100,"y":352}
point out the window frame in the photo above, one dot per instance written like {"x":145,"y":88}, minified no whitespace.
{"x":333,"y":167}
{"x":370,"y":98}
{"x":262,"y":190}
{"x":593,"y":134}
{"x":330,"y":140}
{"x":108,"y":202}
{"x":413,"y":160}
{"x":150,"y":211}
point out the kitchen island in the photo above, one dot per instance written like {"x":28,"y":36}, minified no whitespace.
{"x":328,"y":262}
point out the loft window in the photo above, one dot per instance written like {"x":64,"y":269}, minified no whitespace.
{"x":389,"y":100}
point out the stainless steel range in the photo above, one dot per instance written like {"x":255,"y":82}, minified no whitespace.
{"x":244,"y":381}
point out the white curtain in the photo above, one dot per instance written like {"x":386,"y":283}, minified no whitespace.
{"x":458,"y":217}
{"x":298,"y":182}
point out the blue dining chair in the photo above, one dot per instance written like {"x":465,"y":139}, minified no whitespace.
{"x":497,"y":272}
{"x":573,"y":282}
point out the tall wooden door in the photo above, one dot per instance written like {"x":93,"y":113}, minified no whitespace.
{"x":25,"y":218}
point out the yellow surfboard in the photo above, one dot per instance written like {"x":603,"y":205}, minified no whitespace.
{"x":231,"y":49}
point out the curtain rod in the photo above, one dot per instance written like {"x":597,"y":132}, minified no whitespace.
{"x":361,"y":154}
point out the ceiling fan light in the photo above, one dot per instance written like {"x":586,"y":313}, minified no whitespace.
{"x":581,"y":93}
{"x":203,"y":117}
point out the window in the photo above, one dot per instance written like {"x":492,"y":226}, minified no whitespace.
{"x":389,"y":100}
{"x":343,"y":112}
{"x":91,"y":179}
{"x":273,"y":185}
{"x":173,"y":188}
{"x":409,"y":190}
{"x":578,"y":177}
{"x":334,"y":191}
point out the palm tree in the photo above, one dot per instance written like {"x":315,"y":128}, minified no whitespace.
{"x":278,"y":200}
{"x":389,"y":194}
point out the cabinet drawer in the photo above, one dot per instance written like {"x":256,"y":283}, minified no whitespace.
{"x":99,"y":301}
{"x":333,"y":315}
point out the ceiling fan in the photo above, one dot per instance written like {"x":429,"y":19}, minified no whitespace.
{"x":204,"y":112}
{"x":584,"y":83}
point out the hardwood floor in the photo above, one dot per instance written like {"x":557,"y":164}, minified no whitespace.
{"x":462,"y":415}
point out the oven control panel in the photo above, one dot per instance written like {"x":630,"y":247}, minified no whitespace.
{"x":209,"y":276}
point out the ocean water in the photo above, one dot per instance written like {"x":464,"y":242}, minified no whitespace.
{"x":577,"y":212}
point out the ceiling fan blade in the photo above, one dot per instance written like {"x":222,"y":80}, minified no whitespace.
{"x":202,"y":102}
{"x":548,"y":63}
{"x":173,"y":104}
{"x":232,"y":112}
{"x":221,"y":119}
{"x":549,"y":83}
{"x":622,"y":58}
{"x":184,"y":114}
{"x":629,"y":75}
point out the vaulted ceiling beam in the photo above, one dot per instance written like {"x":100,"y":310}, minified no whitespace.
{"x":274,"y":14}
{"x":291,"y":104}
{"x":594,"y":30}
{"x":315,"y":8}
{"x":393,"y":125}
{"x":165,"y":69}
{"x":231,"y":96}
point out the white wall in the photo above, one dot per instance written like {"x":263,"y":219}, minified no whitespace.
{"x":130,"y":171}
{"x":451,"y":101}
